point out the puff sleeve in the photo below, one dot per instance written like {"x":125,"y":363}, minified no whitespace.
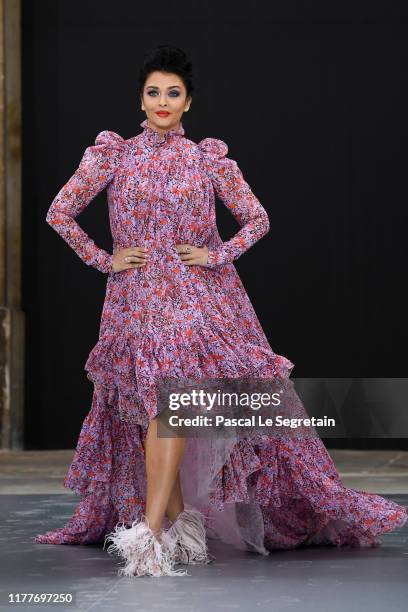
{"x":96,"y":169}
{"x":232,"y":189}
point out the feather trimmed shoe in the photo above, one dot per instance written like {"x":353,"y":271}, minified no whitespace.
{"x":144,"y":553}
{"x":189,"y":532}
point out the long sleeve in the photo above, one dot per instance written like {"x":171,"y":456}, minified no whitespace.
{"x":96,"y":169}
{"x":232,"y":189}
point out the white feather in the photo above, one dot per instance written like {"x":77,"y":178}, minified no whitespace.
{"x":189,"y":532}
{"x":144,"y":553}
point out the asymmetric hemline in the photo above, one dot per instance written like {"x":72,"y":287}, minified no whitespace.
{"x":168,"y":319}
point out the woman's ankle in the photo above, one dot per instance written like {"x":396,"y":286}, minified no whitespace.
{"x":172,"y":516}
{"x":155,"y":527}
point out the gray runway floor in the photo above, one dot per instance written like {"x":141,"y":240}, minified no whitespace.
{"x":316,"y":579}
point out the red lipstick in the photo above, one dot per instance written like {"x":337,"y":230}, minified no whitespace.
{"x":162,"y":113}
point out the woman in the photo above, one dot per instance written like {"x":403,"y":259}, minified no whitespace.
{"x":175,"y":307}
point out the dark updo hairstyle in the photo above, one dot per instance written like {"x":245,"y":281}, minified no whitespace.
{"x":167,"y":58}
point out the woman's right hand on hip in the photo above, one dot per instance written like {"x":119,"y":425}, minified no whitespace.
{"x":131,"y":257}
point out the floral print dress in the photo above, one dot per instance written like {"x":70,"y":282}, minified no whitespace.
{"x":170,"y":319}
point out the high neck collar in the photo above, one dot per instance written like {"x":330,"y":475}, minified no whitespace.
{"x":154,"y":138}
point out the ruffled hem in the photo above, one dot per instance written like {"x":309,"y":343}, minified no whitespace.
{"x":291,"y":484}
{"x":129,"y":367}
{"x":107,"y":472}
{"x":94,"y":516}
{"x":301,"y":495}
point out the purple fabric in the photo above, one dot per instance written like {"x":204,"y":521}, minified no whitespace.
{"x":167,"y":319}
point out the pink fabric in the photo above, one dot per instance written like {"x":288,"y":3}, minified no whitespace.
{"x":167,"y":319}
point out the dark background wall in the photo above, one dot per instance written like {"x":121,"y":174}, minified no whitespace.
{"x":311,"y":99}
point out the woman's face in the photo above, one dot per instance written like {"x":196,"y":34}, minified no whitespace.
{"x":166,"y":92}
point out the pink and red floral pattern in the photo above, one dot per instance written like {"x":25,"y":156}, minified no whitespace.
{"x":169,"y":319}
